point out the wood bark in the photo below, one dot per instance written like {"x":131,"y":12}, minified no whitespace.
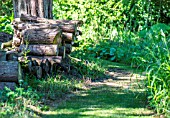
{"x":10,"y":85}
{"x":30,"y":18}
{"x":16,"y":42}
{"x":39,"y":59}
{"x":19,"y":25}
{"x":40,"y":50}
{"x":76,"y":22}
{"x":41,"y":66}
{"x":62,"y":51}
{"x":42,"y":36}
{"x":68,"y":37}
{"x":68,"y":48}
{"x":46,"y":65}
{"x":12,"y":55}
{"x":6,"y":44}
{"x":68,"y":28}
{"x":10,"y":71}
{"x":2,"y":55}
{"x":37,"y":71}
{"x":40,"y":8}
{"x":5,"y":37}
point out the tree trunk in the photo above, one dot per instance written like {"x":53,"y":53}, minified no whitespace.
{"x":40,"y":50}
{"x":10,"y":71}
{"x":40,"y":8}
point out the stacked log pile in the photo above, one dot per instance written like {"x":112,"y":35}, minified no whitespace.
{"x":44,"y":42}
{"x":38,"y":46}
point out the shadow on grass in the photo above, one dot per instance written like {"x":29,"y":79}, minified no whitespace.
{"x":103,"y":101}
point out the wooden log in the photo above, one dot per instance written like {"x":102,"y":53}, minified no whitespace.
{"x":29,"y":18}
{"x":68,"y":37}
{"x":19,"y":25}
{"x":12,"y":55}
{"x":39,"y":59}
{"x":48,"y":64}
{"x":68,"y":48}
{"x":37,"y":71}
{"x":6,"y":44}
{"x":62,"y":51}
{"x":10,"y":85}
{"x":2,"y":55}
{"x":76,"y":22}
{"x":10,"y":71}
{"x":71,"y":28}
{"x":57,"y":59}
{"x":40,"y":50}
{"x":16,"y":42}
{"x":5,"y":37}
{"x":68,"y":28}
{"x":45,"y":65}
{"x":42,"y":36}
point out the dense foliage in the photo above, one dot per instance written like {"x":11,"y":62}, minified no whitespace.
{"x":135,"y":32}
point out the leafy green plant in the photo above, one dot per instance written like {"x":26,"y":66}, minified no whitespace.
{"x":5,"y":24}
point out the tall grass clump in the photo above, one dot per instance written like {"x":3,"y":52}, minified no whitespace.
{"x":156,"y":60}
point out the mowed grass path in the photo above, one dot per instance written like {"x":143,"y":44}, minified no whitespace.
{"x":119,"y":95}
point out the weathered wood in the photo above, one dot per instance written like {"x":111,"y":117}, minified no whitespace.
{"x":62,"y":51}
{"x":68,"y":37}
{"x":71,"y":28}
{"x":57,"y":59}
{"x":68,"y":28}
{"x":41,"y":8}
{"x":2,"y":55}
{"x":16,"y":42}
{"x":42,"y":36}
{"x":40,"y":50}
{"x":30,"y":18}
{"x":45,"y":65}
{"x":6,"y":44}
{"x":10,"y":85}
{"x":37,"y":70}
{"x":30,"y":25}
{"x":76,"y":22}
{"x":41,"y":64}
{"x":39,"y":59}
{"x":12,"y":55}
{"x":5,"y":37}
{"x":68,"y":48}
{"x":9,"y":71}
{"x":35,"y":19}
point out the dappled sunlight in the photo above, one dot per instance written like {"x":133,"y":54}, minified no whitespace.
{"x":104,"y":101}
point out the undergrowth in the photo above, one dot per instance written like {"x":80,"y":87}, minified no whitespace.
{"x":33,"y":93}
